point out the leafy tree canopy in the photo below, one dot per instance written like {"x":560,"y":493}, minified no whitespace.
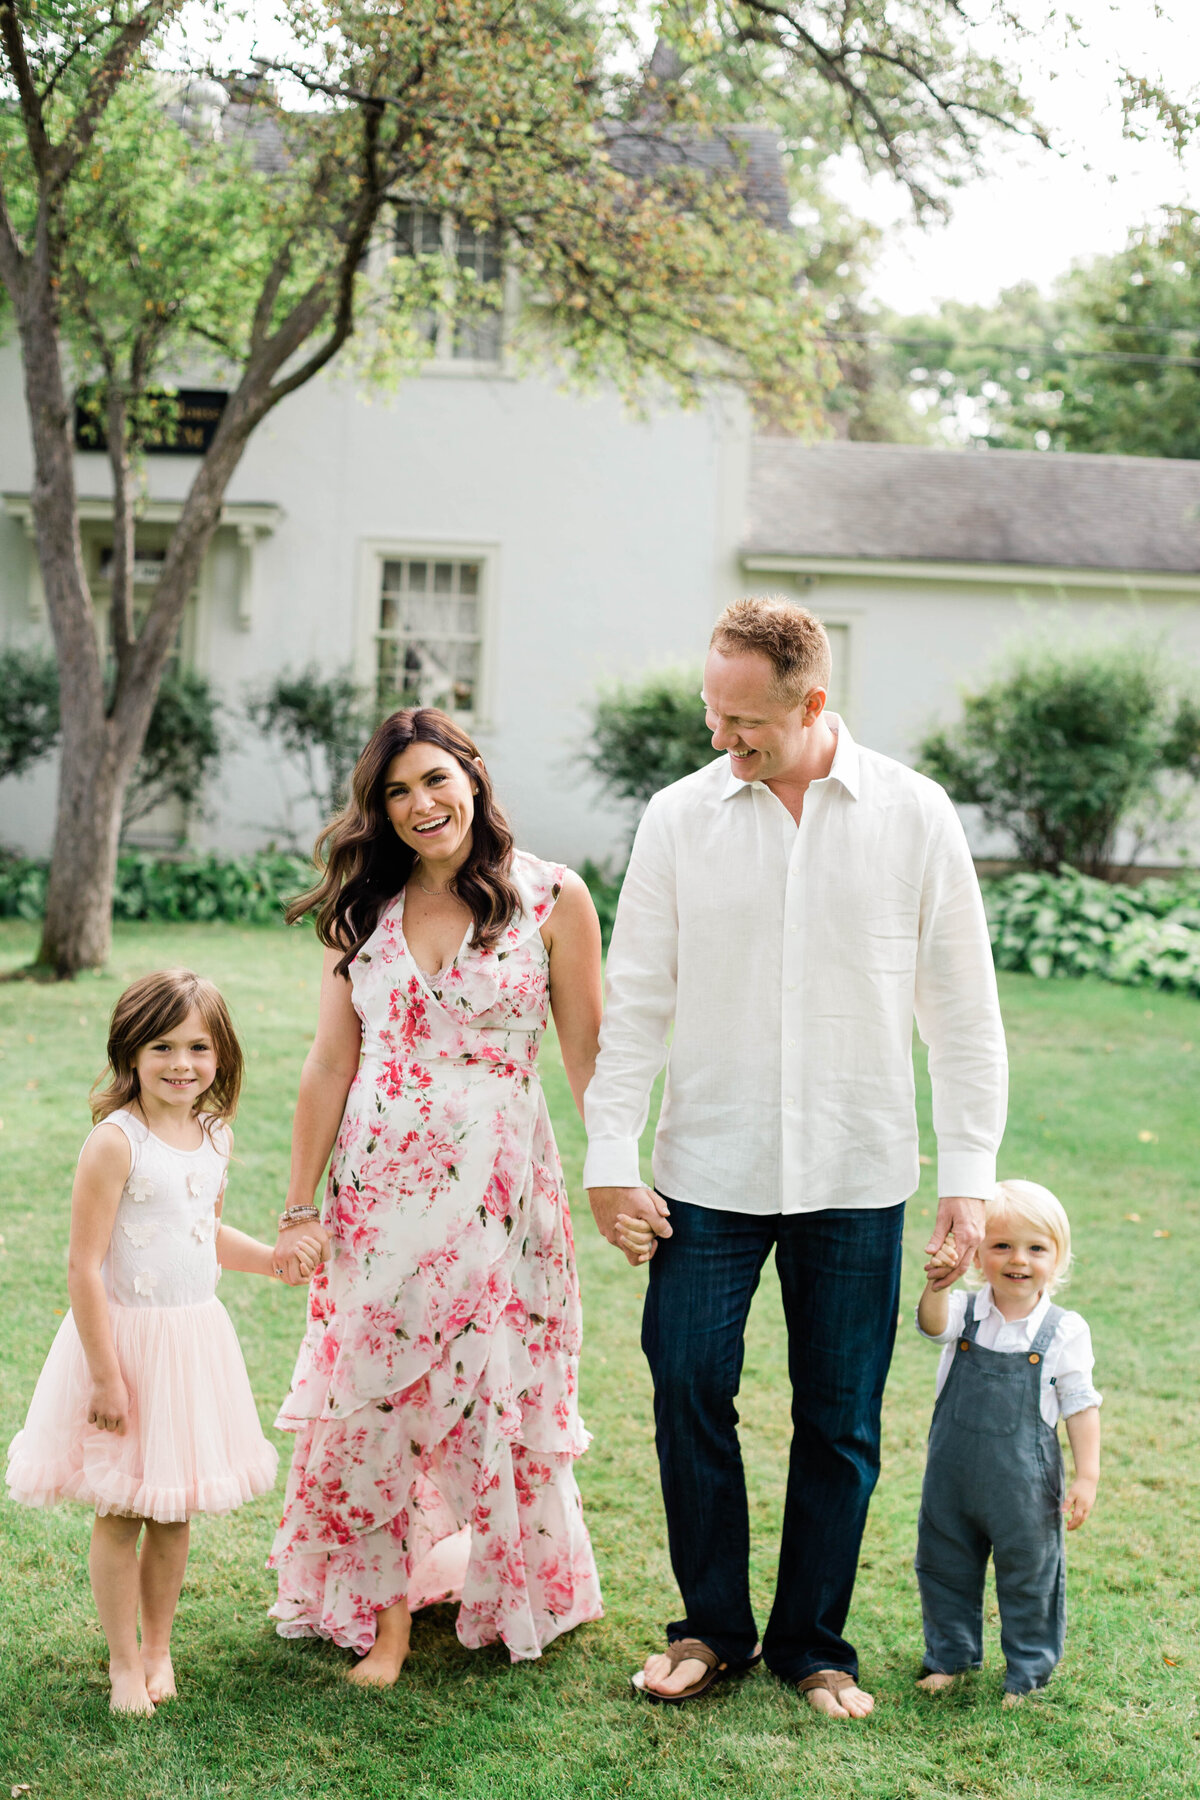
{"x":1107,"y":361}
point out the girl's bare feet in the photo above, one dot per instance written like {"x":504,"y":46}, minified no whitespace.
{"x":160,"y":1676}
{"x":934,"y":1682}
{"x":385,"y":1659}
{"x":128,"y":1692}
{"x":1012,"y":1700}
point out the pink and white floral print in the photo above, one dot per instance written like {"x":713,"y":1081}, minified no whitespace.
{"x":435,"y":1391}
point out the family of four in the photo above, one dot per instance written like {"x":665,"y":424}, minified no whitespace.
{"x":787,"y":912}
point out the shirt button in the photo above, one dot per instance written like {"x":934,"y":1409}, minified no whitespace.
{"x":793,"y":929}
{"x":789,"y":1101}
{"x":791,"y":987}
{"x":791,"y":1043}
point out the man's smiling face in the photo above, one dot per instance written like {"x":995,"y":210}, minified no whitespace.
{"x":760,"y":731}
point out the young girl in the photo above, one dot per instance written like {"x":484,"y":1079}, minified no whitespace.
{"x":1013,"y":1365}
{"x":143,"y":1409}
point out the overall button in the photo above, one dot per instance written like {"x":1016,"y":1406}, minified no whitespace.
{"x":966,"y":1344}
{"x":1035,"y":1358}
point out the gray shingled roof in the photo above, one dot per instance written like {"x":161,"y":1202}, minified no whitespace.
{"x":646,"y":148}
{"x":904,"y":503}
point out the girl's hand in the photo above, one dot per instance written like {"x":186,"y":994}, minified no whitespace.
{"x":108,"y":1405}
{"x":1081,"y":1497}
{"x":310,"y":1253}
{"x":636,"y":1238}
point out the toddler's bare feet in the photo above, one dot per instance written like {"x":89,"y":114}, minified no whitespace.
{"x":128,"y":1692}
{"x":934,"y":1682}
{"x":383,"y":1662}
{"x":1012,"y":1700}
{"x":160,"y":1675}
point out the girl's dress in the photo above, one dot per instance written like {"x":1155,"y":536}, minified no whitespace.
{"x":434,"y":1400}
{"x":192,"y":1442}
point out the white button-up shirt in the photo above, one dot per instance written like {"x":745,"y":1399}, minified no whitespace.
{"x":1066,"y":1377}
{"x":792,"y":960}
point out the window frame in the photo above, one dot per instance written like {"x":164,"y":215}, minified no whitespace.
{"x":373,"y":554}
{"x":443,"y":361}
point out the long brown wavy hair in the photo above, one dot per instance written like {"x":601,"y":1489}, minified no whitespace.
{"x":146,"y":1010}
{"x":365,"y":863}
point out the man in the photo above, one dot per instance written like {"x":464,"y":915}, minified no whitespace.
{"x":789,"y":908}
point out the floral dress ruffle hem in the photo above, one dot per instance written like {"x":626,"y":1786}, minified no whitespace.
{"x":434,"y":1398}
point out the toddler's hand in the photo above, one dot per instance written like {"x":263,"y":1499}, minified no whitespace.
{"x":943,"y":1259}
{"x":1081,"y":1497}
{"x":636,"y":1238}
{"x":108,"y":1406}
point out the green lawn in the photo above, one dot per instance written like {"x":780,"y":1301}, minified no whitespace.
{"x":1103,"y":1110}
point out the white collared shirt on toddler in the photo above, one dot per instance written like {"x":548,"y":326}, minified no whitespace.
{"x":1066,"y":1367}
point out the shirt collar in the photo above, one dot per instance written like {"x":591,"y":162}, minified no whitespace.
{"x":1029,"y":1327}
{"x":845,"y":767}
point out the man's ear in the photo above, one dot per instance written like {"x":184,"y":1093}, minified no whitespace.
{"x":814,"y":705}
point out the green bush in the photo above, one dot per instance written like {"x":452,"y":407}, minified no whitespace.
{"x":646,"y":734}
{"x":1068,"y":743}
{"x":181,"y":751}
{"x":322,"y":723}
{"x":28,"y":709}
{"x":239,"y":890}
{"x":1055,"y":926}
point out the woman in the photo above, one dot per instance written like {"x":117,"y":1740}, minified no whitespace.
{"x":434,"y":1397}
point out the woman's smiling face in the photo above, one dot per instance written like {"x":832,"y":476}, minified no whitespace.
{"x":429,"y":799}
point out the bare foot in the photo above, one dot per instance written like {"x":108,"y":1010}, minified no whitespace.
{"x":128,"y":1693}
{"x":935,"y":1681}
{"x":382,"y":1664}
{"x":160,"y":1676}
{"x":1013,"y":1700}
{"x":849,"y":1703}
{"x":661,"y":1678}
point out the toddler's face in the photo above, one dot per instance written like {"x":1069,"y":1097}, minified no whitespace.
{"x":1017,"y":1260}
{"x":181,"y":1065}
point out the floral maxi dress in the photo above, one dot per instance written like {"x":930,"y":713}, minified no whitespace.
{"x":434,"y":1398}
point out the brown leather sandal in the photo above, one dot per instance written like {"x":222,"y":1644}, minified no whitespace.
{"x":690,"y":1650}
{"x":832,"y":1680}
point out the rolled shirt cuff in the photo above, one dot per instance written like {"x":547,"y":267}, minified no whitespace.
{"x":969,"y":1173}
{"x":612,"y":1162}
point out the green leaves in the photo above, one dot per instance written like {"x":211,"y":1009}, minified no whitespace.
{"x":1068,"y":743}
{"x":1057,"y":926}
{"x":646,"y":734}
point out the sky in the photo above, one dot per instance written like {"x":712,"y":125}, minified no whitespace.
{"x":1035,"y":212}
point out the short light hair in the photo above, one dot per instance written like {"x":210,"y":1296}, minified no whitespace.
{"x":1028,"y":1203}
{"x":792,"y":639}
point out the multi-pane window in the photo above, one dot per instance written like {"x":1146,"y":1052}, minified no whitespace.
{"x":477,"y":338}
{"x":428,"y":640}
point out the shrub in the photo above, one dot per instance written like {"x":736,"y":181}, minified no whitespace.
{"x":28,"y":709}
{"x":322,"y":724}
{"x":1055,"y":926}
{"x":240,"y":890}
{"x":646,"y":734}
{"x":181,"y":751}
{"x":1067,"y":743}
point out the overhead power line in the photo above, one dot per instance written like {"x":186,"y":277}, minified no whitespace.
{"x":1045,"y":352}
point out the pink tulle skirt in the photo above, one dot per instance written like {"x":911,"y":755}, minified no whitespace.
{"x":192,"y":1442}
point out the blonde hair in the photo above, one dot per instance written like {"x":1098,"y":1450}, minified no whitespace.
{"x":793,"y":640}
{"x":1028,"y":1203}
{"x":156,"y":1004}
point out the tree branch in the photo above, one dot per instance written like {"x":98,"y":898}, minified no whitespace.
{"x":13,"y":39}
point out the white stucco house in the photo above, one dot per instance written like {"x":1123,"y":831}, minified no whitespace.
{"x":502,"y":547}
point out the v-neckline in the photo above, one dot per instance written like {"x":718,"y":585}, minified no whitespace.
{"x":426,"y":980}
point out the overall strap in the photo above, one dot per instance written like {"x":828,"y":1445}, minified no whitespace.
{"x":970,"y":1324}
{"x":1042,"y":1341}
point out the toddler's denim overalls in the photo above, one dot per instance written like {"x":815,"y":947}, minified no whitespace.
{"x":993,"y":1481}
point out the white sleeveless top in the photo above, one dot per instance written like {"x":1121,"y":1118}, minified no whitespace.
{"x":163,"y":1248}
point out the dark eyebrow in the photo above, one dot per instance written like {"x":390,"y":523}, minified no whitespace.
{"x":437,"y":769}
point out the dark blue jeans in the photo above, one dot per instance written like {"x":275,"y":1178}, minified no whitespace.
{"x":840,"y":1276}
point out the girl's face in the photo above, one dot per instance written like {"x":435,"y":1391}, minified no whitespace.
{"x":177,"y":1068}
{"x":430,"y":800}
{"x":1018,"y":1261}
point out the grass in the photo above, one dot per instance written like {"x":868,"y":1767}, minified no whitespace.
{"x":1103,"y":1110}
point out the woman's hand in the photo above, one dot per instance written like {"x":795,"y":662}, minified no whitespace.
{"x":636,"y":1238}
{"x":108,"y":1405}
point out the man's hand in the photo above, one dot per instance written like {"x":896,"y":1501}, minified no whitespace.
{"x":609,"y":1203}
{"x":962,"y":1216}
{"x":292,"y":1251}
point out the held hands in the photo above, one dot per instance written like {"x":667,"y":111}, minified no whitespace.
{"x":632,"y":1218}
{"x":299,"y":1249}
{"x":1081,"y":1497}
{"x":960,"y":1219}
{"x":108,"y":1405}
